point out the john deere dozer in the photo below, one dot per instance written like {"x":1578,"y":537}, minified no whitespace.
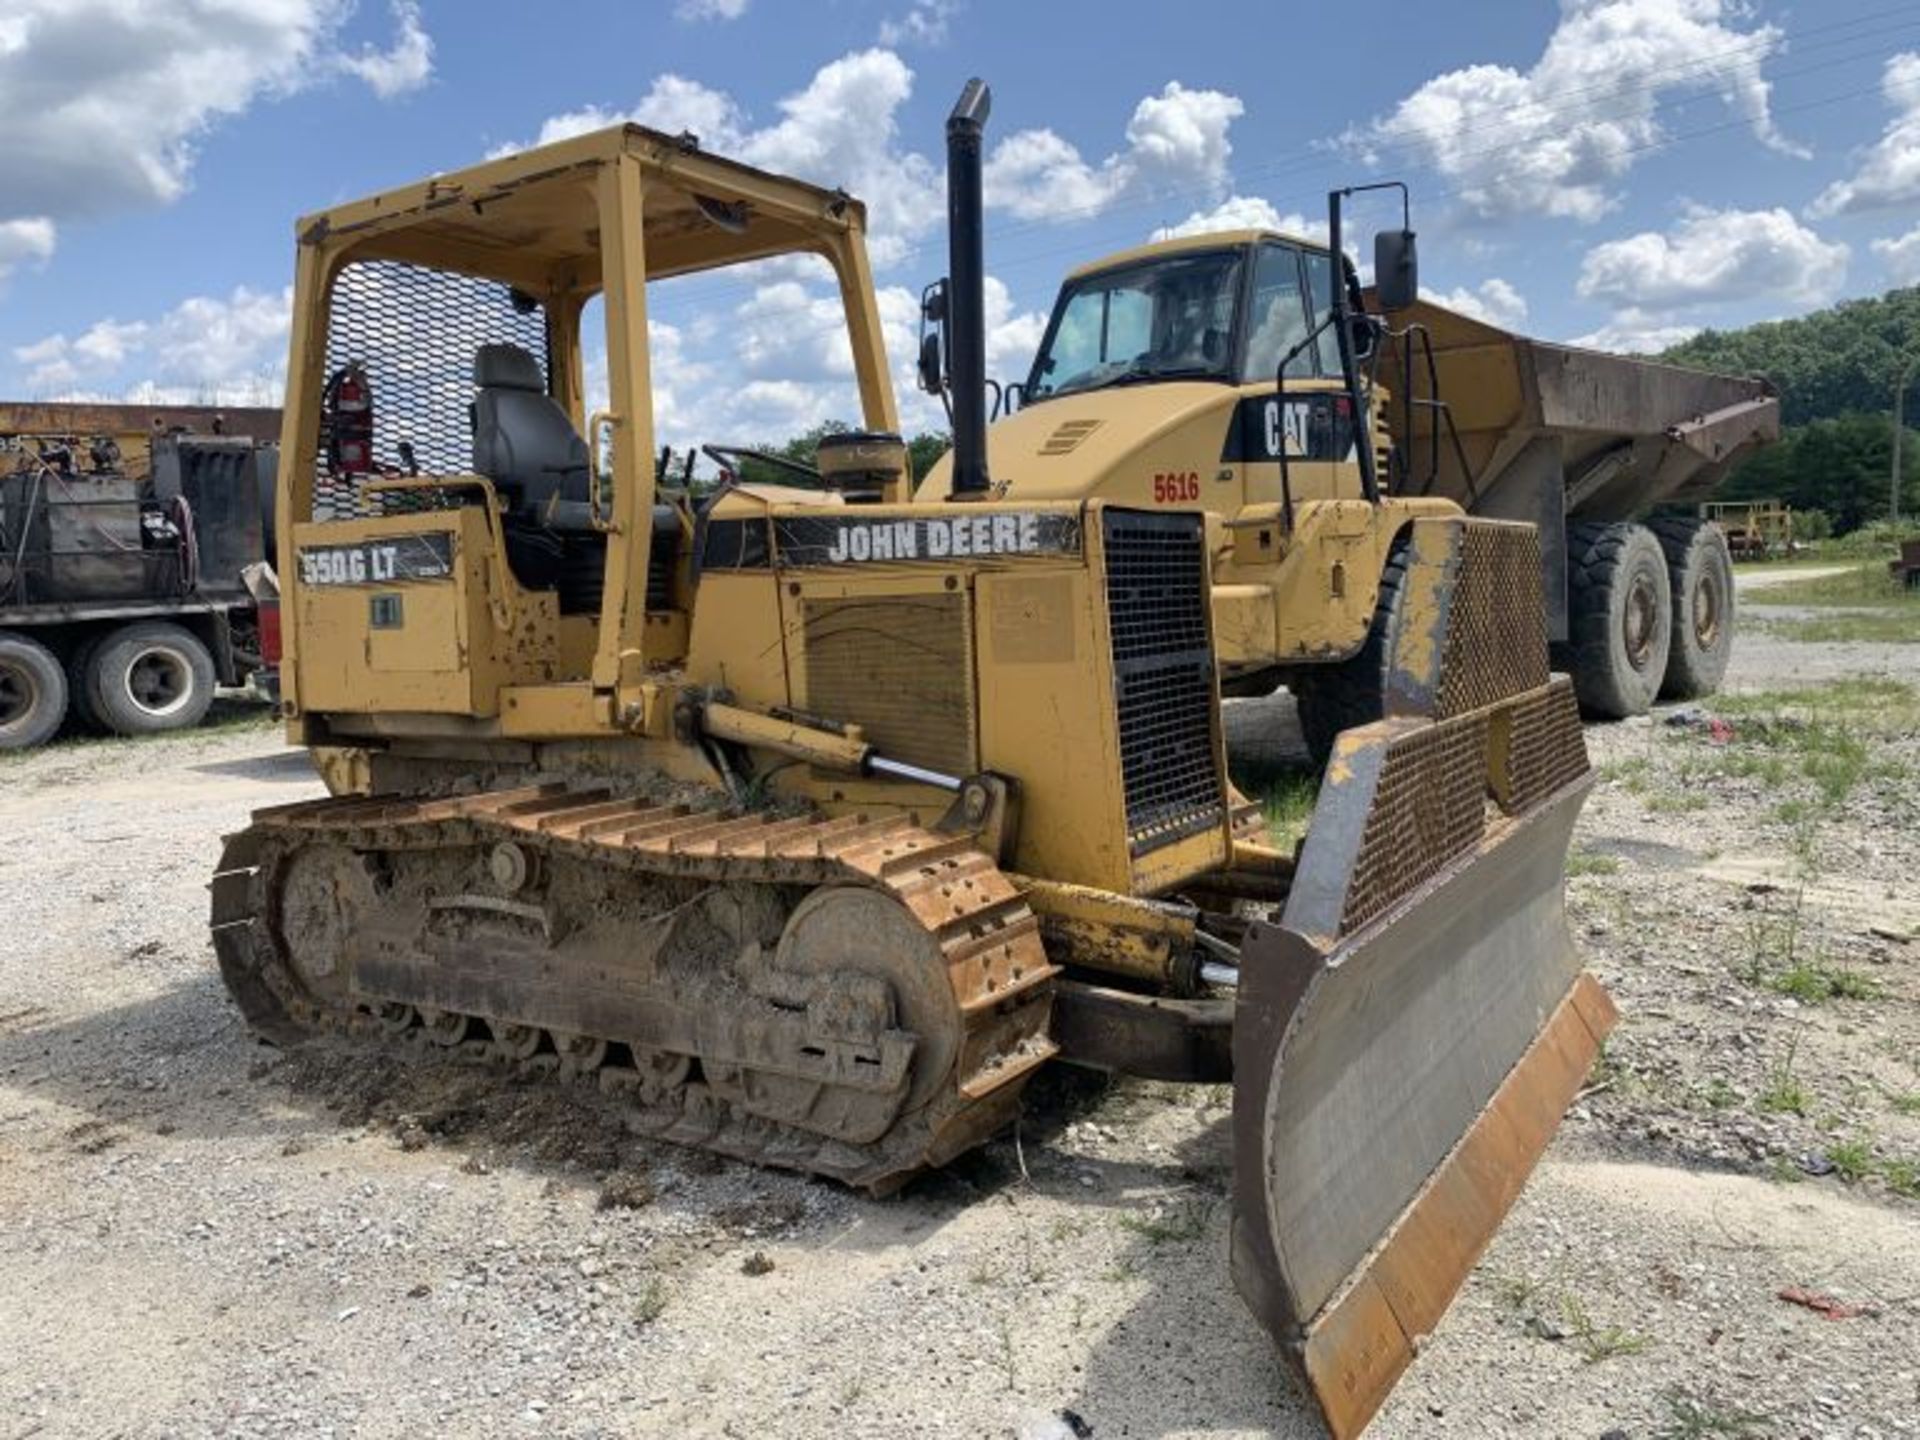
{"x":814,"y":819}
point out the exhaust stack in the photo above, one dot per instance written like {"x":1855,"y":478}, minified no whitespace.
{"x":966,"y":305}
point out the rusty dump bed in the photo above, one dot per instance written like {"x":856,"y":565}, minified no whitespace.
{"x":1621,"y":433}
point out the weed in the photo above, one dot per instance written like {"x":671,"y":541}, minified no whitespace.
{"x":851,"y":1391}
{"x":1585,"y":862}
{"x":1177,"y":1225}
{"x":1902,"y":1177}
{"x":982,"y":1273}
{"x":1006,"y":1349}
{"x":1783,"y":1171}
{"x":1783,"y":1094}
{"x":1517,"y":1292}
{"x":651,"y":1302}
{"x":1811,"y":982}
{"x":1720,"y":1095}
{"x":1852,"y":1160}
{"x":1631,"y":772}
{"x":1677,"y":802}
{"x":1594,"y":1343}
{"x":1907,"y":1104}
{"x":1691,"y":1419}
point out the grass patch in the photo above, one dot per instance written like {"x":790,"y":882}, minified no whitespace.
{"x":651,"y":1302}
{"x":1907,"y":1104}
{"x":1783,"y":1094}
{"x":1586,"y":862}
{"x":1594,"y":1342}
{"x":1867,"y":584}
{"x":1285,"y":797}
{"x":1902,"y":1177}
{"x":1863,"y":627}
{"x":1689,"y":1418}
{"x":1811,"y":983}
{"x":1178,"y":1224}
{"x":1852,"y":1160}
{"x":1677,"y":802}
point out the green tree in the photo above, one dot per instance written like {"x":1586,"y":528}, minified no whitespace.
{"x":1840,"y":466}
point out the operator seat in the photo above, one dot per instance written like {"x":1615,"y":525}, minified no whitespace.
{"x":525,"y":443}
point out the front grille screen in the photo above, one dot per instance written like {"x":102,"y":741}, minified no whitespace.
{"x":1157,"y":596}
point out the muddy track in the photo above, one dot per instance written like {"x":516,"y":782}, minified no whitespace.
{"x":865,"y":1100}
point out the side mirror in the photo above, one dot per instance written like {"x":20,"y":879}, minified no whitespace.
{"x":932,"y":380}
{"x":932,"y":362}
{"x":1396,"y":269}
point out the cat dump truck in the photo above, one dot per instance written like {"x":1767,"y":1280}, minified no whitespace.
{"x":1229,"y":372}
{"x":812,"y":819}
{"x":133,"y":574}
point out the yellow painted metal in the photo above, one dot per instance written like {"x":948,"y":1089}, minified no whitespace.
{"x":1115,"y":934}
{"x":806,"y":743}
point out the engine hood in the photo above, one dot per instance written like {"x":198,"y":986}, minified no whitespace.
{"x":1064,"y":448}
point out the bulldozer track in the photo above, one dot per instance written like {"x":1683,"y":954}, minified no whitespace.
{"x":988,"y":941}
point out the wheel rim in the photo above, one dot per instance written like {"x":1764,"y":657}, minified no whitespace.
{"x":1642,"y":617}
{"x":19,"y":693}
{"x":1706,"y":611}
{"x":159,"y":681}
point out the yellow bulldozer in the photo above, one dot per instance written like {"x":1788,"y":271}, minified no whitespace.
{"x":814,"y":818}
{"x":1225,"y":371}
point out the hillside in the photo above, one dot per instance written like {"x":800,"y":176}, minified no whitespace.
{"x":1835,"y":370}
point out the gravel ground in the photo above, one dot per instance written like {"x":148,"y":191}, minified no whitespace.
{"x":202,"y":1236}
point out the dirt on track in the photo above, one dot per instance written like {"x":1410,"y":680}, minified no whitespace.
{"x":204,"y":1236}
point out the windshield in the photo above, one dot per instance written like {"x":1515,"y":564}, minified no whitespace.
{"x":1164,"y":318}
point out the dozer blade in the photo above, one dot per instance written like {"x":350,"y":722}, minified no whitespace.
{"x":1408,"y":1037}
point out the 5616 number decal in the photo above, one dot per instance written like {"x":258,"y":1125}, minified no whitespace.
{"x":1173,"y":489}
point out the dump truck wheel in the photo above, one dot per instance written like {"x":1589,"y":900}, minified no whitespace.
{"x":1332,"y":698}
{"x":79,"y":702}
{"x":1700,"y":574}
{"x":33,"y":692}
{"x":150,"y":677}
{"x":1619,"y":618}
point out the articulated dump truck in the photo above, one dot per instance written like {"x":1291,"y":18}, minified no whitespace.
{"x":814,"y":819}
{"x":1225,"y":371}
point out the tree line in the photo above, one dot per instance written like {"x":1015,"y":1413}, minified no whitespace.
{"x":1835,"y":371}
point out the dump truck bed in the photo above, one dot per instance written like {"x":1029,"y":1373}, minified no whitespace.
{"x":1622,"y":433}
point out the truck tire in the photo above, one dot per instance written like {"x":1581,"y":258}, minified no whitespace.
{"x":1700,"y":574}
{"x":150,"y":677}
{"x":79,"y":701}
{"x":1619,"y":618}
{"x":33,"y":692}
{"x":1332,"y":698}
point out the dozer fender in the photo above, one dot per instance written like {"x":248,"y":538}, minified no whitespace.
{"x":1408,"y":1035}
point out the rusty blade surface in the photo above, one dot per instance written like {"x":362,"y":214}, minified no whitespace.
{"x":1393,"y":1089}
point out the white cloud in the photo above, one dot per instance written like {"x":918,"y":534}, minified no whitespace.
{"x":404,"y":66}
{"x":1176,"y":141}
{"x":1556,"y":138}
{"x":709,"y":9}
{"x":926,"y":22}
{"x":1634,"y":332}
{"x":103,"y":102}
{"x":841,"y":130}
{"x":25,"y":241}
{"x":204,"y":348}
{"x":1495,"y":301}
{"x":1889,"y":172}
{"x":1902,"y":256}
{"x":1716,"y":256}
{"x":1244,"y":212}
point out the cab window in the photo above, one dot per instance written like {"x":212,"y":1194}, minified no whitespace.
{"x":1278,"y":317}
{"x":1320,"y":294}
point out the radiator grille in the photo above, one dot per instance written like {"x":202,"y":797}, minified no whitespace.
{"x":1157,"y":596}
{"x":416,"y":330}
{"x":901,"y":668}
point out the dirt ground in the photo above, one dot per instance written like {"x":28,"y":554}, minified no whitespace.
{"x":201,"y":1236}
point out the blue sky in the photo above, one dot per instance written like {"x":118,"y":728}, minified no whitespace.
{"x":1618,"y":171}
